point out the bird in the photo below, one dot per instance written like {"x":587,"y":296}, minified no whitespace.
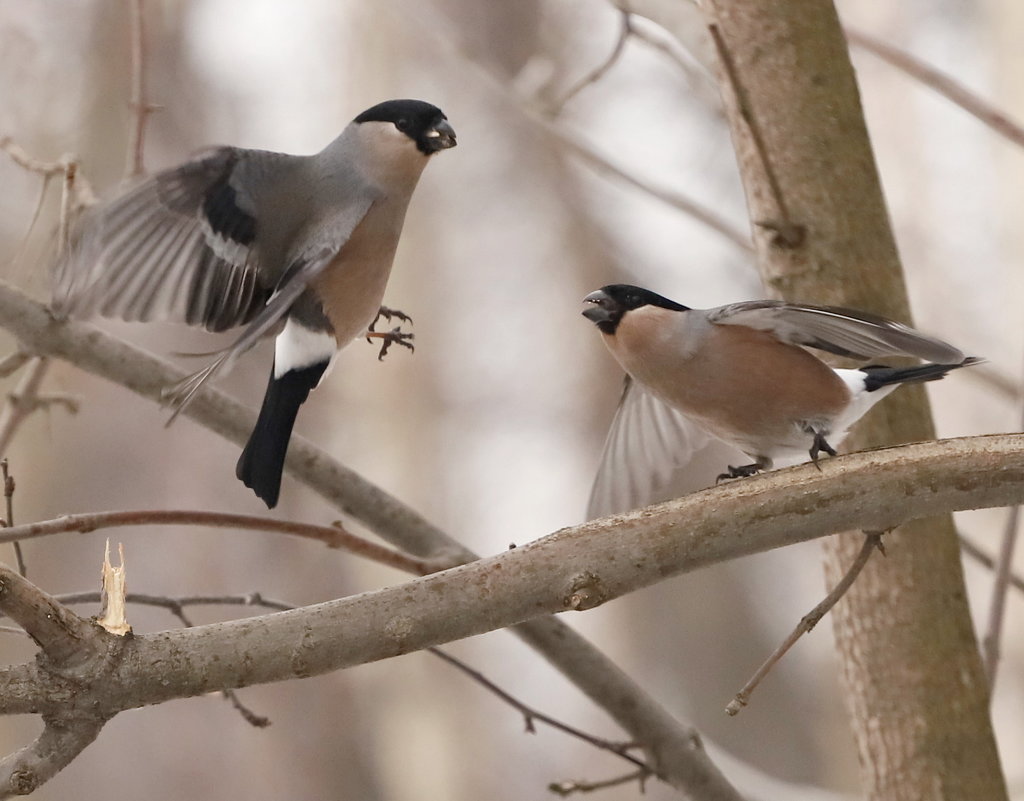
{"x":739,"y":379}
{"x":295,"y":247}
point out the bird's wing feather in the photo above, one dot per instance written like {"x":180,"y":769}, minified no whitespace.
{"x":836,"y":330}
{"x":323,"y":244}
{"x":653,"y":453}
{"x":179,"y":246}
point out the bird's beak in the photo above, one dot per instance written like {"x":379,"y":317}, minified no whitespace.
{"x":597,"y":310}
{"x":441,"y":136}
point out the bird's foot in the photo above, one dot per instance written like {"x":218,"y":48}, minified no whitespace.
{"x":818,"y":445}
{"x":742,"y":471}
{"x":387,"y":314}
{"x":388,"y":338}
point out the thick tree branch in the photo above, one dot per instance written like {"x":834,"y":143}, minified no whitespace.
{"x":575,"y":568}
{"x":668,"y":743}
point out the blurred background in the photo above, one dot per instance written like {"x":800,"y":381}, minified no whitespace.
{"x":493,"y":428}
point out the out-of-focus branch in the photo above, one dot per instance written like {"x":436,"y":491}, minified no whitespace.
{"x":595,"y":75}
{"x":573,"y":142}
{"x":990,"y":648}
{"x":946,"y":86}
{"x":334,"y":536}
{"x":66,"y":166}
{"x":978,"y":555}
{"x":531,"y":715}
{"x":141,"y":108}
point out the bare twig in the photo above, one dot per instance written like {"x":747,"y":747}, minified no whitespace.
{"x":571,"y":141}
{"x":949,"y":88}
{"x":568,"y":788}
{"x":22,"y":401}
{"x":82,"y":190}
{"x":9,"y":497}
{"x":140,"y":107}
{"x":872,"y":541}
{"x":787,"y":233}
{"x":978,"y":555}
{"x":990,"y":642}
{"x":13,"y":362}
{"x":334,"y":536}
{"x":595,"y":75}
{"x":531,"y":715}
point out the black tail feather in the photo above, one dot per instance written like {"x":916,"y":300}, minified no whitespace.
{"x":262,"y":460}
{"x":879,"y":376}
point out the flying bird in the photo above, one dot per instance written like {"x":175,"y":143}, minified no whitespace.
{"x":299,"y":247}
{"x":739,"y":375}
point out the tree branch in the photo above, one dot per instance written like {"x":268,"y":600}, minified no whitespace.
{"x":24,"y":771}
{"x":575,"y":568}
{"x":946,"y":86}
{"x":668,"y":743}
{"x":66,"y":639}
{"x":334,"y":536}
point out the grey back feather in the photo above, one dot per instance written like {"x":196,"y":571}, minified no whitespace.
{"x":841,"y":331}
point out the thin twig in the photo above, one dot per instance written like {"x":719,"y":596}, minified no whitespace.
{"x":990,"y":643}
{"x":22,"y":401}
{"x":334,"y":536}
{"x":566,"y":789}
{"x":572,"y":141}
{"x":949,"y":88}
{"x":978,"y":555}
{"x":595,"y":75}
{"x":13,"y":362}
{"x":872,"y":541}
{"x":9,"y":497}
{"x":140,"y":107}
{"x":531,"y":715}
{"x":786,"y":232}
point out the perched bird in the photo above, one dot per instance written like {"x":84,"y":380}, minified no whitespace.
{"x":299,"y":247}
{"x":738,"y":374}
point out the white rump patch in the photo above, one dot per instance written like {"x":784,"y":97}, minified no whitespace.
{"x":297,"y":347}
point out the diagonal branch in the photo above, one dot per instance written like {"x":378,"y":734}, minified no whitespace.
{"x":670,"y":745}
{"x":575,"y":568}
{"x":948,"y":87}
{"x":59,"y":743}
{"x":65,"y":638}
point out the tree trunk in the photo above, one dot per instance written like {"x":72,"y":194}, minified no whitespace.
{"x":915,"y":686}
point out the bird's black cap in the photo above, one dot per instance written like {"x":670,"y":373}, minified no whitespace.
{"x":611,"y":302}
{"x":422,"y":122}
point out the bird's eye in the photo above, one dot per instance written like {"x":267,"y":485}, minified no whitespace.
{"x":402,"y":124}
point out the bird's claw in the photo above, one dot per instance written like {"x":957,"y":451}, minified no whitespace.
{"x":387,"y":314}
{"x":817,"y":446}
{"x":388,"y":338}
{"x":742,"y":471}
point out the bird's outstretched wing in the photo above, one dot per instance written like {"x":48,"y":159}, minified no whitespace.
{"x":323,"y":244}
{"x":181,"y":246}
{"x":653,"y":453}
{"x":836,"y":330}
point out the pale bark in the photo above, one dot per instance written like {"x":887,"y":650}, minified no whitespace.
{"x":916,"y":689}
